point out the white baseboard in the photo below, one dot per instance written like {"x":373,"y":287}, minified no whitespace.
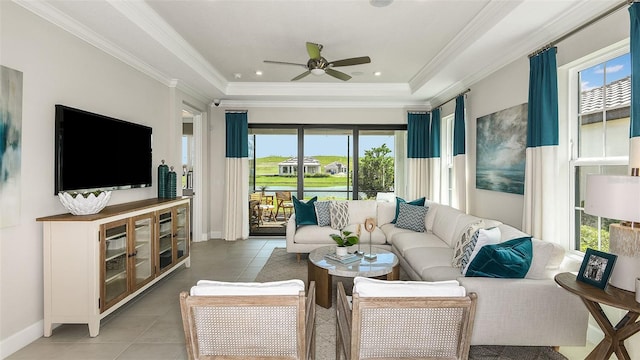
{"x":21,"y":339}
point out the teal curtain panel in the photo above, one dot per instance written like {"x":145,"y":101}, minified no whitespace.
{"x":459,"y":145}
{"x":418,"y":135}
{"x":237,"y":135}
{"x":434,"y":135}
{"x":634,"y":14}
{"x":542,"y":128}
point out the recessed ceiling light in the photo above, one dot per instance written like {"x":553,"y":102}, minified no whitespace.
{"x":377,"y":73}
{"x":380,"y":3}
{"x":237,"y":76}
{"x":259,"y":72}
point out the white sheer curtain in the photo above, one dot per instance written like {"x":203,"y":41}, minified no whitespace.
{"x":459,"y":173}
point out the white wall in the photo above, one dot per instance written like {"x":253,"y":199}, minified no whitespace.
{"x":59,"y":68}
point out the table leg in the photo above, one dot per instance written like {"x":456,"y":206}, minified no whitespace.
{"x":324,"y":283}
{"x":614,"y":337}
{"x":394,"y":274}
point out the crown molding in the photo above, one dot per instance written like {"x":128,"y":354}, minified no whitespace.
{"x":318,"y":89}
{"x":328,"y":104}
{"x":56,"y":17}
{"x":143,"y":16}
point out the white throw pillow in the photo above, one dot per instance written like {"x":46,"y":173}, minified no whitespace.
{"x":211,"y":287}
{"x":386,"y":197}
{"x":542,"y":251}
{"x":485,"y":237}
{"x":366,"y":287}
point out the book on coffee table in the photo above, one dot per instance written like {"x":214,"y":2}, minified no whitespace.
{"x":349,"y":258}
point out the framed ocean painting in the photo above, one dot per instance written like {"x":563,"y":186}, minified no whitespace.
{"x":501,"y":143}
{"x":10,"y":145}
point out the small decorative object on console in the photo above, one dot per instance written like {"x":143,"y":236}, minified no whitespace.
{"x":596,"y":268}
{"x":84,"y":203}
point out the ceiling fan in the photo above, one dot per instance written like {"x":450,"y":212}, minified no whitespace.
{"x":318,"y":65}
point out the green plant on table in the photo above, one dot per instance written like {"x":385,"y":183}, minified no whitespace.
{"x":346,"y":238}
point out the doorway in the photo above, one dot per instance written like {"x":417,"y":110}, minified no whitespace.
{"x":191,"y":158}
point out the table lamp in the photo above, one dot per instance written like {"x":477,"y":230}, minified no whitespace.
{"x":618,"y":197}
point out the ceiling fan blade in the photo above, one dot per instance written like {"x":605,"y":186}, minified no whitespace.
{"x":285,"y":63}
{"x":314,"y":50}
{"x":301,"y":75}
{"x":351,"y":61}
{"x":337,"y":74}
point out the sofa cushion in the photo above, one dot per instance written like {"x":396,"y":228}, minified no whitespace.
{"x":542,"y":251}
{"x":440,"y":273}
{"x":339,"y":212}
{"x":314,"y":234}
{"x":305,"y":211}
{"x":391,"y":231}
{"x":386,"y":197}
{"x":463,"y":248}
{"x":386,"y":212}
{"x":423,"y":258}
{"x":411,"y":217}
{"x":419,"y":202}
{"x":485,"y":237}
{"x":360,"y":210}
{"x":406,"y":242}
{"x":323,"y":212}
{"x":509,"y":259}
{"x":377,"y":236}
{"x":444,"y":224}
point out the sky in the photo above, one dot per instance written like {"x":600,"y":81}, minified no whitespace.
{"x":286,"y":145}
{"x":616,"y":69}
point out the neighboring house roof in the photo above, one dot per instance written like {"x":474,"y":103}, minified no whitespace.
{"x":294,"y":161}
{"x":618,"y":94}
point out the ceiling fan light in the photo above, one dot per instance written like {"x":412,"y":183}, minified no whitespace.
{"x":317,"y":72}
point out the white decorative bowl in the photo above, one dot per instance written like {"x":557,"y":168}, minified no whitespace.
{"x":86,"y":203}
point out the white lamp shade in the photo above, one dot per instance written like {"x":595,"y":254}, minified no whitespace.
{"x":613,"y":196}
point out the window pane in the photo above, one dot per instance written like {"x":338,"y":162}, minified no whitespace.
{"x":376,"y":162}
{"x":593,"y":231}
{"x":328,"y":163}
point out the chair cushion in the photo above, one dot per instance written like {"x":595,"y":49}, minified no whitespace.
{"x":411,"y":217}
{"x":510,"y":259}
{"x":210,"y":287}
{"x":366,"y":287}
{"x":305,"y":211}
{"x":399,"y":200}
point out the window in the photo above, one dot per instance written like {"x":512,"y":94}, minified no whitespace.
{"x":601,"y":127}
{"x":447,"y":160}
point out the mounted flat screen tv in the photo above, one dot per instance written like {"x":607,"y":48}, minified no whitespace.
{"x":97,"y":152}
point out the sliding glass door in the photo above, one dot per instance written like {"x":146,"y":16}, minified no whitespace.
{"x":337,"y":162}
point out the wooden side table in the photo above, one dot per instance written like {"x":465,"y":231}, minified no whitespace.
{"x":614,"y":336}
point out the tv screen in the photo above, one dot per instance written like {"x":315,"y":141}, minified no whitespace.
{"x":96,"y":152}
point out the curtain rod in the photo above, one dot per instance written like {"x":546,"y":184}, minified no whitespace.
{"x":581,"y":27}
{"x":453,"y":98}
{"x":236,"y":111}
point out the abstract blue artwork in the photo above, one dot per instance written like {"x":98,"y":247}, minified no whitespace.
{"x":10,"y":145}
{"x":501,"y":144}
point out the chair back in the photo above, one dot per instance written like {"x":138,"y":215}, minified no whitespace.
{"x":400,"y":327}
{"x":249,"y":320}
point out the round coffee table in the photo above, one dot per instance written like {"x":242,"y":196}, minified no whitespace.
{"x":321,"y":269}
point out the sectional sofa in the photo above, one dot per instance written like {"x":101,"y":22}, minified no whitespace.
{"x":531,"y":310}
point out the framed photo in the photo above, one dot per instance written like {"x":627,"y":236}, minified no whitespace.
{"x":596,"y":268}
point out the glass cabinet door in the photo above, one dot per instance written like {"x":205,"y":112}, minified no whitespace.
{"x":141,"y":253}
{"x":165,"y":240}
{"x":114,"y":263}
{"x":182,"y":231}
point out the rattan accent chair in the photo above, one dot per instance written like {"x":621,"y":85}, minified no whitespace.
{"x":245,"y":326}
{"x":403,"y":327}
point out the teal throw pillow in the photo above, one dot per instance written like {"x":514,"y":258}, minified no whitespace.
{"x":509,"y":259}
{"x":399,"y":200}
{"x":305,"y":211}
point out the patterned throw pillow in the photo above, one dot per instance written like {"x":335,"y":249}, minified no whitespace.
{"x":411,"y":217}
{"x":400,"y":200}
{"x":323,"y":212}
{"x":462,"y":250}
{"x":339,"y":214}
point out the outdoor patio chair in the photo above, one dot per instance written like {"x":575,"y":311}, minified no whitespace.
{"x":272,"y":320}
{"x":284,"y":202}
{"x":404,"y":319}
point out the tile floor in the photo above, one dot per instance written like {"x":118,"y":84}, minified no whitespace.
{"x":149,"y":327}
